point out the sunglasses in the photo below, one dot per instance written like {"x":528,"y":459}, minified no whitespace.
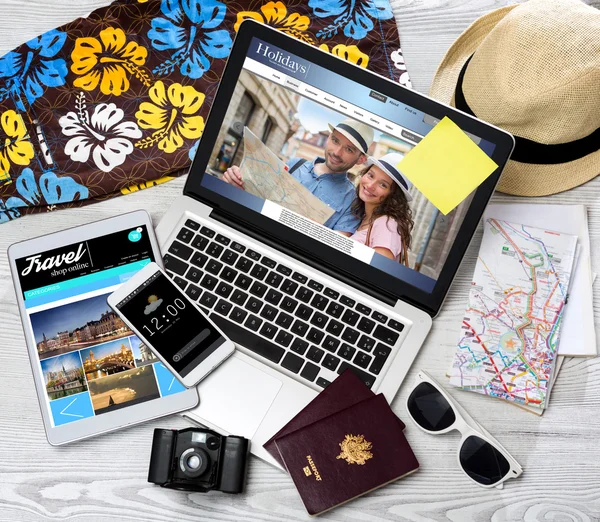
{"x":480,"y":456}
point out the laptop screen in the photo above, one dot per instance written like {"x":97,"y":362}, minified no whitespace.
{"x":318,"y":152}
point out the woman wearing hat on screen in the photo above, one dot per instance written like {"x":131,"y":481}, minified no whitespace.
{"x":381,"y":202}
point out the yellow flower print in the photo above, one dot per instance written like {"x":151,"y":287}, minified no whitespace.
{"x":275,"y":15}
{"x":146,"y":184}
{"x":172,"y":114}
{"x":15,"y":146}
{"x":350,"y":53}
{"x":109,"y":61}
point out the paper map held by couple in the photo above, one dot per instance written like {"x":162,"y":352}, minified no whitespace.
{"x":265,"y":176}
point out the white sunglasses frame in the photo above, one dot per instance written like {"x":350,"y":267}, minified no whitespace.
{"x":466,"y":426}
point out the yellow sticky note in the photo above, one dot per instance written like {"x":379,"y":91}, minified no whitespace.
{"x":446,"y":165}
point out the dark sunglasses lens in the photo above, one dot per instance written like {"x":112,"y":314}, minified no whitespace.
{"x":429,"y":409}
{"x":482,"y":462}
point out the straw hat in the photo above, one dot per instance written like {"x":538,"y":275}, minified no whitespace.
{"x":358,"y":133}
{"x":387,"y":164}
{"x":533,"y":69}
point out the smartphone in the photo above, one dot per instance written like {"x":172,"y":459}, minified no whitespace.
{"x":162,"y":316}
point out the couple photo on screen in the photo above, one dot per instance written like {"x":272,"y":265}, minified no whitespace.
{"x":374,"y":209}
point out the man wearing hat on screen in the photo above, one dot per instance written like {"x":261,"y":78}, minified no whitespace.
{"x":327,"y":177}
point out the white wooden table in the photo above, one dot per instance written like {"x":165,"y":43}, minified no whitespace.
{"x":105,"y":478}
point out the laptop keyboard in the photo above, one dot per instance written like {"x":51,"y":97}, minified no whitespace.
{"x":277,"y":313}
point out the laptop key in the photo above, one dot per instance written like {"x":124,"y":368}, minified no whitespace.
{"x":175,"y":265}
{"x":363,"y":309}
{"x":289,"y":286}
{"x":244,"y":264}
{"x":365,"y":325}
{"x":320,"y":302}
{"x":284,"y":338}
{"x":378,"y":316}
{"x":258,"y":289}
{"x":269,"y":330}
{"x":310,"y":371}
{"x":208,"y":282}
{"x":193,"y":274}
{"x":199,"y":242}
{"x":395,"y":325}
{"x":253,"y":323}
{"x":345,"y":300}
{"x":243,"y":281}
{"x":315,"y":285}
{"x":350,"y":335}
{"x":362,"y":359}
{"x":213,"y":266}
{"x":304,"y":294}
{"x":301,"y":278}
{"x":284,"y":270}
{"x":315,"y":354}
{"x":335,"y":309}
{"x":229,"y":257}
{"x":229,"y":274}
{"x":269,"y":312}
{"x":315,"y":336}
{"x":331,"y":343}
{"x":350,"y":317}
{"x":199,"y":259}
{"x":323,"y":383}
{"x":223,"y":289}
{"x":214,"y":250}
{"x":254,"y":305}
{"x":292,"y":362}
{"x":366,"y":343}
{"x":192,"y":224}
{"x":299,"y":328}
{"x":381,"y":354}
{"x":368,"y":379}
{"x":223,"y":307}
{"x":181,"y":283}
{"x":253,"y":255}
{"x":386,"y":335}
{"x":329,"y":292}
{"x":238,"y":315}
{"x":239,"y":297}
{"x":273,"y":296}
{"x":207,"y":299}
{"x":268,"y":262}
{"x":238,"y":247}
{"x":299,"y":346}
{"x":303,"y":312}
{"x":284,"y":320}
{"x":330,"y":362}
{"x":319,"y":320}
{"x":346,"y":351}
{"x":334,"y":327}
{"x":288,"y":304}
{"x":258,"y":272}
{"x":222,"y":239}
{"x":193,"y":292}
{"x":185,"y":235}
{"x":180,"y":250}
{"x":274,"y":279}
{"x":205,"y":231}
{"x":251,"y":341}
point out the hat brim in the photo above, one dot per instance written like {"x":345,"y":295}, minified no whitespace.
{"x":518,"y":179}
{"x":378,"y":164}
{"x":349,"y":136}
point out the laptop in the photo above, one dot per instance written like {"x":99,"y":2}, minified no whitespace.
{"x":272,"y":263}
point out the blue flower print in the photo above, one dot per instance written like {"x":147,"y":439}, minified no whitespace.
{"x":195,"y":43}
{"x":34,"y":69}
{"x":193,"y":150}
{"x":354,"y":16}
{"x":52,"y":190}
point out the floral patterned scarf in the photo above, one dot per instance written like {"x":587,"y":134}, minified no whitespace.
{"x":116,"y":102}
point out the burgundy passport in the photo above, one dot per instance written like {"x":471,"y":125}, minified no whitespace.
{"x":347,"y":454}
{"x":342,"y":393}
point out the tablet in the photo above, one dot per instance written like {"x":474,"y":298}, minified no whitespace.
{"x":91,"y":373}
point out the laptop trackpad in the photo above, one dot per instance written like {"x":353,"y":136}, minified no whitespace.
{"x":236,"y":397}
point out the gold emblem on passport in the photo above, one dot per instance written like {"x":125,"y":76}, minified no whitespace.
{"x":307,"y":471}
{"x":355,"y":449}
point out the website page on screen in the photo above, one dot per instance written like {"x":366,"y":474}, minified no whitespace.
{"x":89,"y":361}
{"x":297,"y":144}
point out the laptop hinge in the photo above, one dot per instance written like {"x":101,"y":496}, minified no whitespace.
{"x":295,"y":253}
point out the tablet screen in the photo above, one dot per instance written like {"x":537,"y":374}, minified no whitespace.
{"x":90,"y":362}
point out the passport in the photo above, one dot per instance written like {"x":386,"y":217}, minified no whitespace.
{"x":346,"y":454}
{"x":346,"y":390}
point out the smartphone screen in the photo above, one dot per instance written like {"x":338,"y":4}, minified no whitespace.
{"x":172,"y":325}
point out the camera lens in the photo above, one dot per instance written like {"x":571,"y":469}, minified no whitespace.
{"x":194,"y":462}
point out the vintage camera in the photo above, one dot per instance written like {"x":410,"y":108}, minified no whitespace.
{"x":198,"y":460}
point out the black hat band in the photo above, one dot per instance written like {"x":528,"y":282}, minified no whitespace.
{"x":355,"y":134}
